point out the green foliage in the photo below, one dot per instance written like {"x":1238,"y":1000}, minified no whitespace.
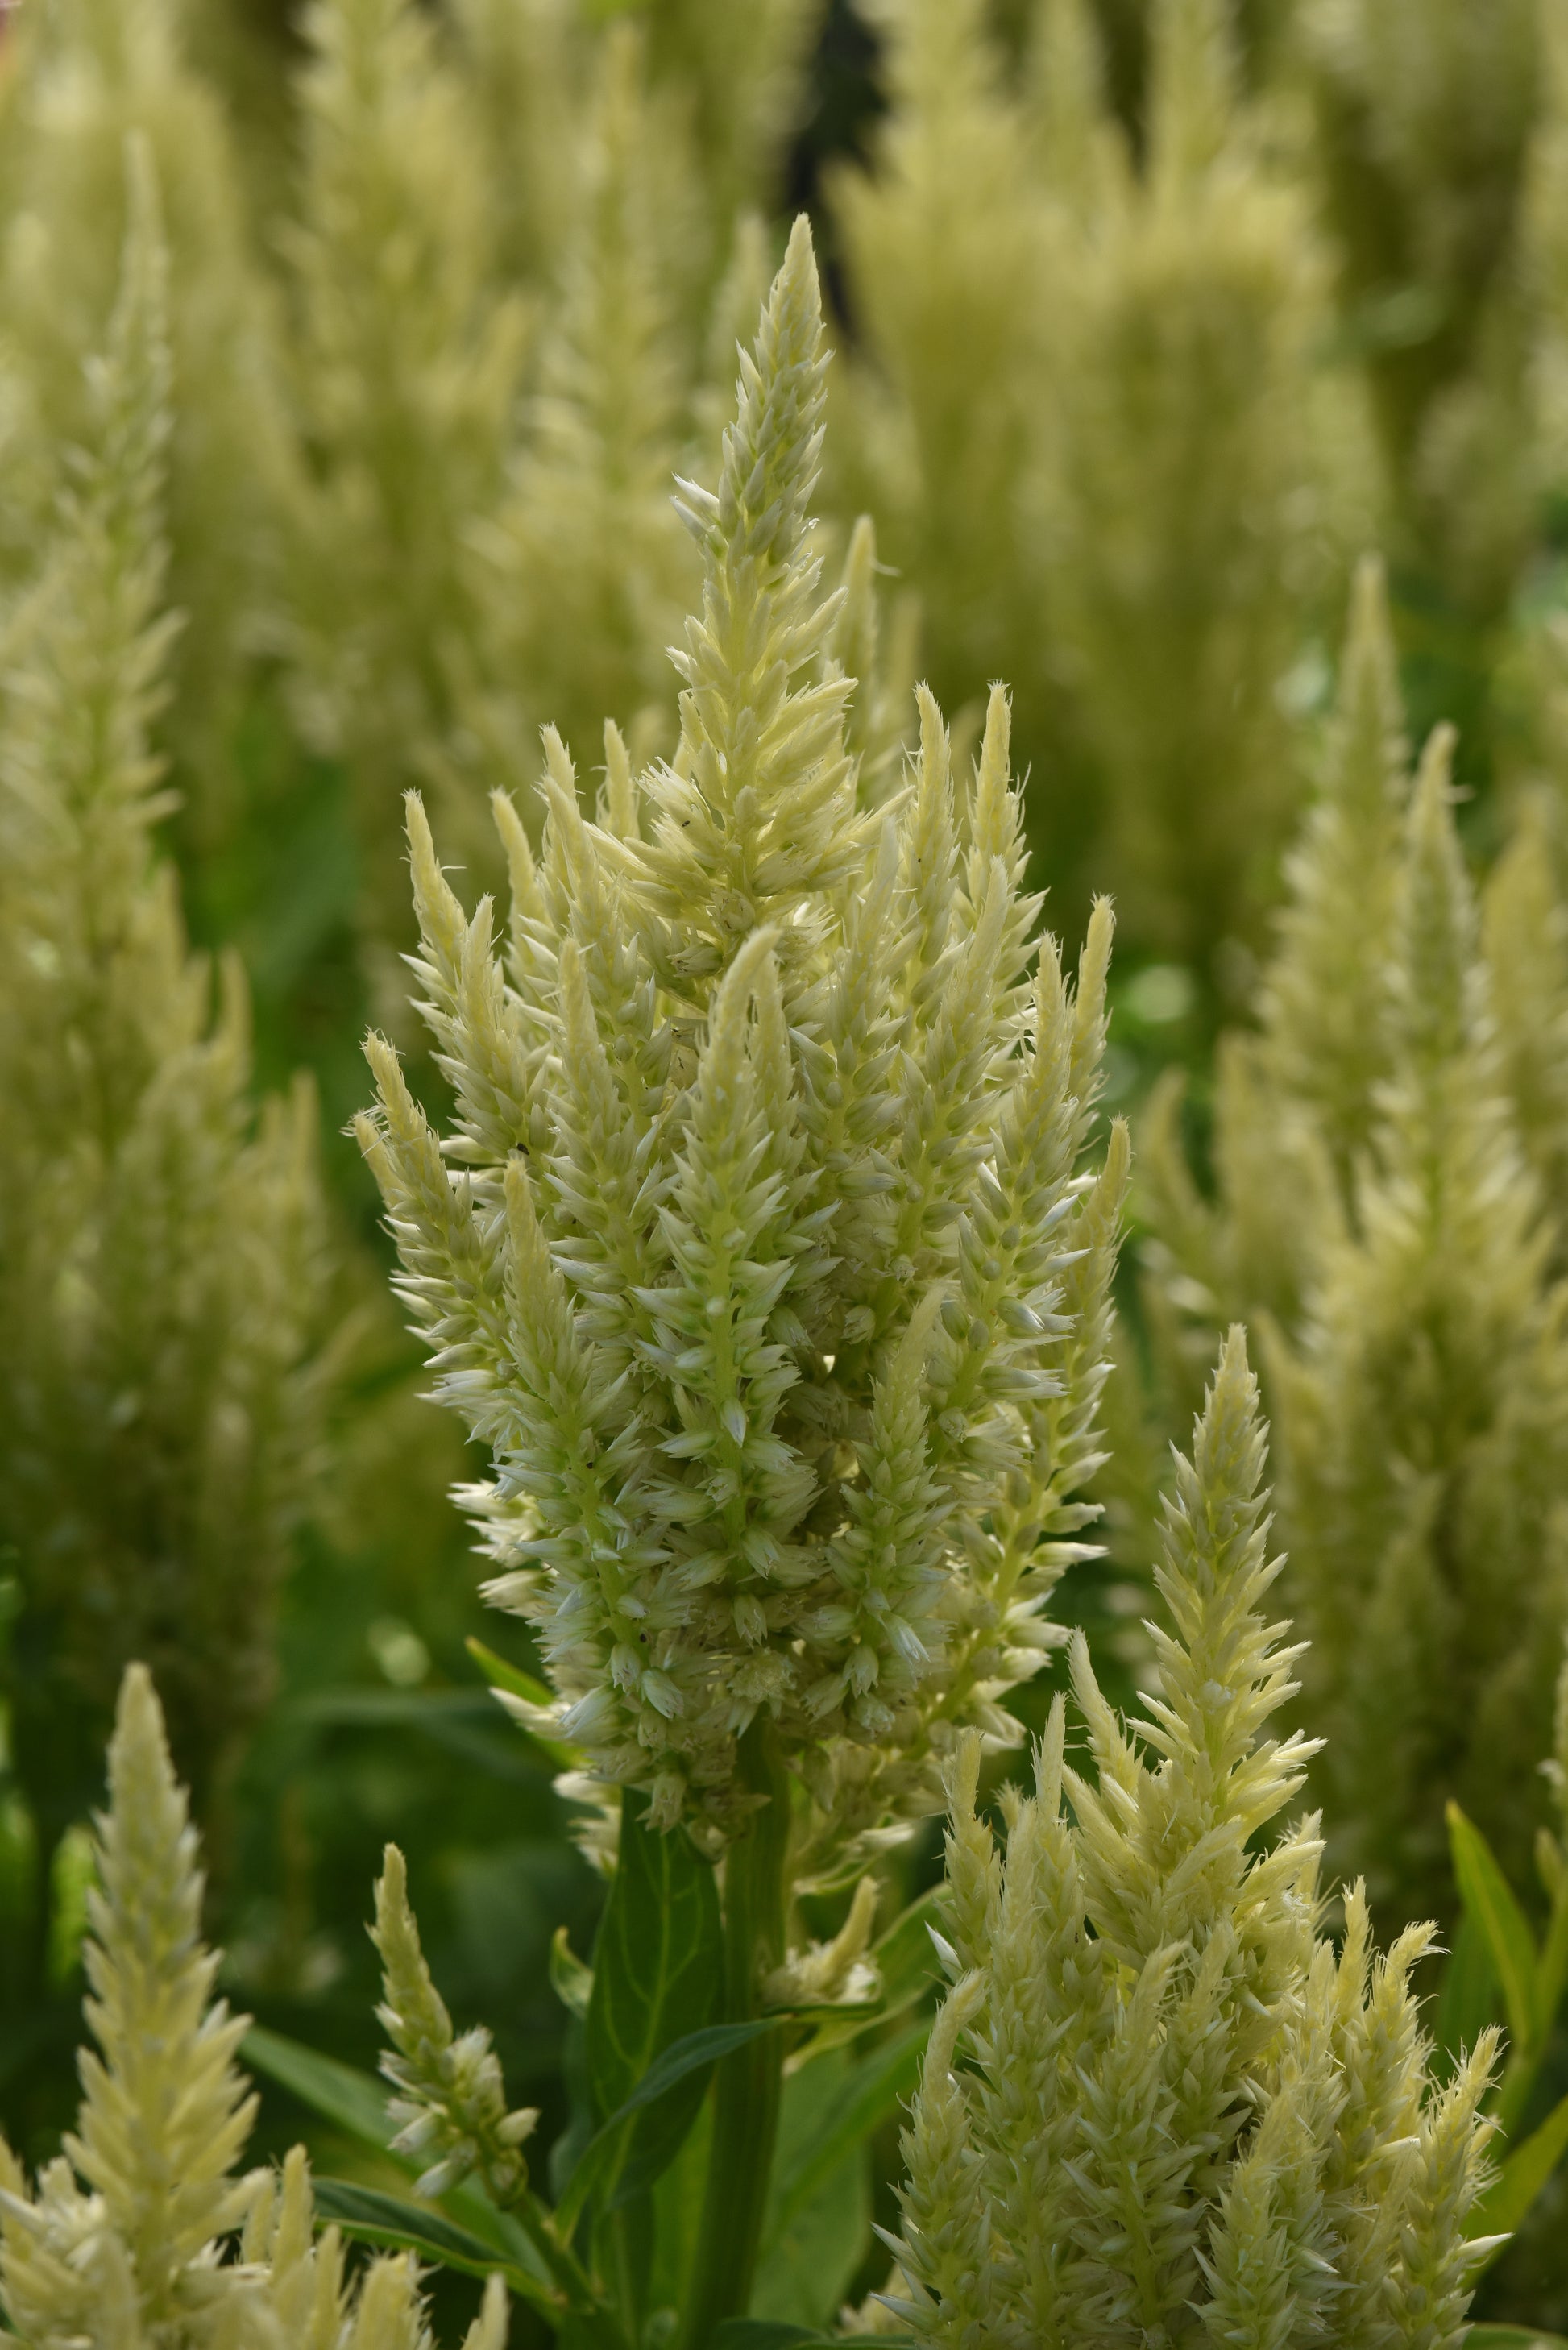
{"x":160,"y":1251}
{"x":1183,"y":2111}
{"x":786,"y":1334}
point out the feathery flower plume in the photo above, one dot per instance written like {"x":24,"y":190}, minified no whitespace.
{"x":766,"y":1265}
{"x":1181,"y":2113}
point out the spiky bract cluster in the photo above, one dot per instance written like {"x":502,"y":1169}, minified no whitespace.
{"x":1182,"y":2115}
{"x":1183,"y":491}
{"x":141,"y":2233}
{"x":767,"y":1270}
{"x":1082,"y":419}
{"x":159,"y":1255}
{"x":451,"y":2098}
{"x":1376,"y":1202}
{"x":85,"y":75}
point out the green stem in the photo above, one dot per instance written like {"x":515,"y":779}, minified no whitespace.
{"x":747,"y":2083}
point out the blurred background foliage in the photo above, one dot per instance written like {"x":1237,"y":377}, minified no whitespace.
{"x":1152,"y":318}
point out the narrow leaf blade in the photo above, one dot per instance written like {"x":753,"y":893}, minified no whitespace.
{"x":371,"y":2217}
{"x":1521,"y":2177}
{"x":1506,"y":2337}
{"x":1490,"y":1900}
{"x":657,"y":1966}
{"x":355,"y":2101}
{"x":872,"y":2095}
{"x":697,"y":2054}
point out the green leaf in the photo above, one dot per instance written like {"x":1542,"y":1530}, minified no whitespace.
{"x":658,"y":1963}
{"x":555,"y":1752}
{"x":1466,"y":1996}
{"x":372,"y":2218}
{"x":696,"y":2054}
{"x":461,"y":1721}
{"x":871,"y":2095}
{"x":762,"y":2334}
{"x":1504,"y":2337}
{"x":355,"y":2101}
{"x":1526,"y":2171}
{"x":1489,"y":1898}
{"x":819,"y":2220}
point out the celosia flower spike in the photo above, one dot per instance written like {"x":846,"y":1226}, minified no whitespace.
{"x":1156,"y":2099}
{"x":771,"y":1279}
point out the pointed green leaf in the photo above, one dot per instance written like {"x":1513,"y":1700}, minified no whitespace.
{"x":1467,"y":1994}
{"x":695,"y":2056}
{"x":355,"y":2101}
{"x":1504,"y":2337}
{"x":501,"y":1675}
{"x":871,"y":2095}
{"x":1502,"y":2209}
{"x":372,"y":2218}
{"x":1490,"y":1900}
{"x":658,"y":1963}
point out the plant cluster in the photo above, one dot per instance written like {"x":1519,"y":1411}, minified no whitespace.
{"x":1401,"y":1259}
{"x":749,"y":1156}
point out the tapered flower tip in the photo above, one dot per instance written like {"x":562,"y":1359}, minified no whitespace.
{"x":773,"y":449}
{"x":1370,"y":711}
{"x":148,"y":1853}
{"x":1227,"y":1451}
{"x":139,"y":1768}
{"x":1437,"y":948}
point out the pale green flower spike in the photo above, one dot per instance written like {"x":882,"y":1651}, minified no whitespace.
{"x":1183,"y":498}
{"x":161,"y":1253}
{"x":128,"y":2241}
{"x":943,"y":247}
{"x":1376,"y":1209}
{"x":769,"y":1274}
{"x":88,"y":75}
{"x":1296,"y":1104}
{"x":590,"y":570}
{"x":1423,"y":1414}
{"x":1524,"y":932}
{"x":1325,"y":996}
{"x":165,"y":2113}
{"x":1182,"y":2115}
{"x":407,"y":359}
{"x":744,"y":72}
{"x":451,"y":2101}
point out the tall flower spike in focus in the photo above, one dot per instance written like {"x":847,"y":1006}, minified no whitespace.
{"x":1182,"y":2114}
{"x":767,"y":1270}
